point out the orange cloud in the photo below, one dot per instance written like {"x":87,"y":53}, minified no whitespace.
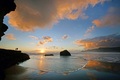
{"x":103,"y":41}
{"x":41,"y":43}
{"x":111,"y":19}
{"x":86,"y":44}
{"x":30,"y":15}
{"x":10,"y":36}
{"x":45,"y":40}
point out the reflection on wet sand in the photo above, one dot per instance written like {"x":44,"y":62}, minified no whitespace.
{"x":13,"y":72}
{"x":42,"y":65}
{"x":62,"y":69}
{"x":103,"y":66}
{"x":62,"y":65}
{"x":91,"y":76}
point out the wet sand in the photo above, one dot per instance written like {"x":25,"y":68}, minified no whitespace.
{"x":94,"y":70}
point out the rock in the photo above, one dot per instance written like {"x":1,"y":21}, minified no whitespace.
{"x":8,"y":58}
{"x":65,"y":53}
{"x":5,"y":7}
{"x":49,"y":55}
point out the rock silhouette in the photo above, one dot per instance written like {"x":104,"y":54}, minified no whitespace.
{"x":48,"y":55}
{"x":9,"y":58}
{"x":5,"y":7}
{"x":65,"y":53}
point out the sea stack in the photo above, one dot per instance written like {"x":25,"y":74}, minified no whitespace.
{"x":65,"y":53}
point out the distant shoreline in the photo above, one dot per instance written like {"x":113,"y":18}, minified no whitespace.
{"x":104,"y":49}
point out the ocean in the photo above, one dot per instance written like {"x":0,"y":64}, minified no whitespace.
{"x":79,"y":66}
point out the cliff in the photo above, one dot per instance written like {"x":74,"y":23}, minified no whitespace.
{"x":105,"y":49}
{"x":9,"y":58}
{"x":5,"y":7}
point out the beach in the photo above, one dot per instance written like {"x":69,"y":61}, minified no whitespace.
{"x":59,"y":39}
{"x":79,"y":66}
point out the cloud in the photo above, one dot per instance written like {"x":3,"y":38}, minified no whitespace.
{"x":10,"y":36}
{"x":89,"y":30}
{"x":45,"y":40}
{"x":34,"y":37}
{"x":102,"y":41}
{"x":41,"y":43}
{"x":111,"y":19}
{"x":53,"y":47}
{"x":65,"y":37}
{"x":30,"y":15}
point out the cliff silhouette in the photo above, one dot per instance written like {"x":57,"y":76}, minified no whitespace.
{"x":105,"y":49}
{"x":8,"y":58}
{"x":6,"y":6}
{"x":11,"y":57}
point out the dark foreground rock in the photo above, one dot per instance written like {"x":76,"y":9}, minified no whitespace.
{"x":65,"y":53}
{"x":9,"y":58}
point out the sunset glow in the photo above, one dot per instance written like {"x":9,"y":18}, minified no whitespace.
{"x":42,"y":51}
{"x":57,"y":25}
{"x":60,"y":39}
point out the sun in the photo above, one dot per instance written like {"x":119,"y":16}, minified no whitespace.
{"x":42,"y":51}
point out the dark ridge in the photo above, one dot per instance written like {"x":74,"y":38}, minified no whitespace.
{"x":9,"y":58}
{"x":5,"y":7}
{"x":105,"y":49}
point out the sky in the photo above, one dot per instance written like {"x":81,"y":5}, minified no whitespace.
{"x":53,"y":25}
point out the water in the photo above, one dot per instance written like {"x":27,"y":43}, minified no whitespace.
{"x":55,"y":63}
{"x":85,"y":66}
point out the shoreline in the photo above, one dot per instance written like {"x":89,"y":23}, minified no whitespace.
{"x":38,"y":70}
{"x":81,"y":74}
